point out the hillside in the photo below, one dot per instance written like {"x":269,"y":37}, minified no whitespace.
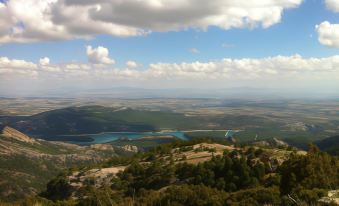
{"x":331,"y":145}
{"x":27,"y":164}
{"x":96,"y":119}
{"x":15,"y":134}
{"x":201,"y":173}
{"x":75,"y":123}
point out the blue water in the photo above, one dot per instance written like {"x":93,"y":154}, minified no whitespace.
{"x":112,"y":136}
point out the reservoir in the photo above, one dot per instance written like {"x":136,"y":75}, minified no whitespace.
{"x":106,"y":137}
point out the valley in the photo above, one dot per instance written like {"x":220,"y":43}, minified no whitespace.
{"x":169,"y":103}
{"x":68,"y":152}
{"x":298,"y":122}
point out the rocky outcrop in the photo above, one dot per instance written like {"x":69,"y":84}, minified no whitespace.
{"x":301,"y":126}
{"x":100,"y":177}
{"x":15,"y":134}
{"x":130,"y":148}
{"x":332,"y":198}
{"x":274,"y":142}
{"x":102,"y":147}
{"x":277,"y":142}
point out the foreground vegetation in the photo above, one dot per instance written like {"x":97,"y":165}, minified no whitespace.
{"x":242,"y":176}
{"x":26,"y":167}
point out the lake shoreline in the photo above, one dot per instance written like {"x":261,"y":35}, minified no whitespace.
{"x":151,"y":132}
{"x":107,"y":137}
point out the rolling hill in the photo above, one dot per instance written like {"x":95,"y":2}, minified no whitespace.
{"x":73,"y":123}
{"x":95,"y":119}
{"x":27,"y":164}
{"x":330,"y":145}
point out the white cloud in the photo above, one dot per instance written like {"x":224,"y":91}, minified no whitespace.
{"x":5,"y":20}
{"x":194,"y":51}
{"x":328,"y":34}
{"x":16,"y":64}
{"x":41,"y":20}
{"x":332,"y":5}
{"x":17,"y":67}
{"x":44,"y":61}
{"x":271,"y":68}
{"x":77,"y":66}
{"x":227,"y":45}
{"x":51,"y":69}
{"x":132,"y":64}
{"x":99,"y":55}
{"x":120,"y":74}
{"x":275,"y":71}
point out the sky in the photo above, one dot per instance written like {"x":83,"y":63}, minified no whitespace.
{"x":280,"y":45}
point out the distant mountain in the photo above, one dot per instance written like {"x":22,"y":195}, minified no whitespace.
{"x":184,"y":92}
{"x":26,"y":164}
{"x":331,"y":145}
{"x":96,"y":119}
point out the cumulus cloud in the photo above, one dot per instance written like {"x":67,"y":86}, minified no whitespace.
{"x":17,"y":67}
{"x":99,"y":55}
{"x":5,"y":20}
{"x":328,"y":34}
{"x":224,"y":45}
{"x":44,"y":61}
{"x":194,"y":51}
{"x":6,"y":63}
{"x":332,"y":5}
{"x":277,"y":70}
{"x":132,"y":64}
{"x":271,"y":68}
{"x":69,"y":19}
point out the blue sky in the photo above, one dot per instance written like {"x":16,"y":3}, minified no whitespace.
{"x":291,"y":36}
{"x":113,"y":38}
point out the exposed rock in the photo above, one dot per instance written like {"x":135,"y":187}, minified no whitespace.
{"x":102,"y":147}
{"x":274,"y":142}
{"x":261,"y":143}
{"x":99,"y":176}
{"x":278,"y":142}
{"x":332,"y":197}
{"x":301,"y":126}
{"x":130,"y":148}
{"x":15,"y":134}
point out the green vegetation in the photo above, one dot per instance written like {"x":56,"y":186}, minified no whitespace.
{"x":144,"y":144}
{"x":331,"y":145}
{"x":96,"y":119}
{"x":165,"y":174}
{"x":297,"y":138}
{"x":244,"y":176}
{"x":231,"y":172}
{"x":316,"y":170}
{"x":26,"y":168}
{"x":273,"y":121}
